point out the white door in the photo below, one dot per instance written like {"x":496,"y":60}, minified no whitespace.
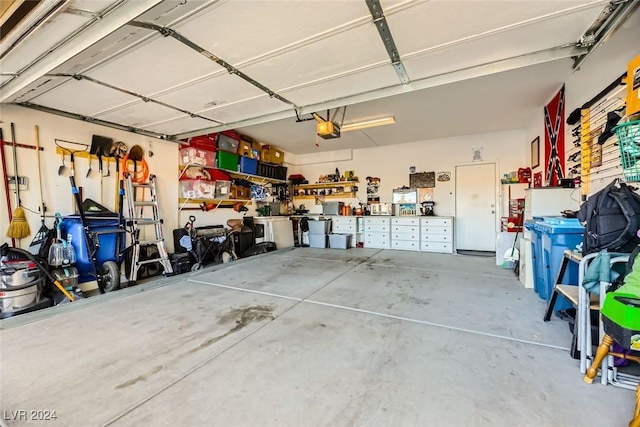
{"x":476,"y":207}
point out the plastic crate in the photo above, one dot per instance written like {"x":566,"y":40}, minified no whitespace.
{"x":339,"y":241}
{"x":226,"y":160}
{"x":318,"y":240}
{"x":197,"y":156}
{"x":320,"y":226}
{"x":223,"y":189}
{"x":629,"y":144}
{"x":280,"y":172}
{"x":197,"y":189}
{"x":248,"y":165}
{"x":228,"y":143}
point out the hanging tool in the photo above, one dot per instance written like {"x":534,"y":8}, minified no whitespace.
{"x":100,"y":146}
{"x":71,"y":152}
{"x":118,"y":151}
{"x":19,"y":227}
{"x":63,"y":168}
{"x":41,"y":235}
{"x":5,"y":176}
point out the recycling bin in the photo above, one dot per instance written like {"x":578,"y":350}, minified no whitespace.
{"x":558,"y":234}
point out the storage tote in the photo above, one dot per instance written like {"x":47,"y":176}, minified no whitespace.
{"x":320,"y":226}
{"x":226,"y":160}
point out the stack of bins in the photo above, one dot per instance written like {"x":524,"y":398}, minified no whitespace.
{"x":319,"y":233}
{"x":551,"y":237}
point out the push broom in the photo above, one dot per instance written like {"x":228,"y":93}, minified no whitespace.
{"x":19,"y":226}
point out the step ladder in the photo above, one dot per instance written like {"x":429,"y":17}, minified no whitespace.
{"x":141,"y":199}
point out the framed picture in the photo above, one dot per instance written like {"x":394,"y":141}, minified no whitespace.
{"x":535,"y":153}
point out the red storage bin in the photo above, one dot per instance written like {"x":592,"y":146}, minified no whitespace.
{"x":203,"y":142}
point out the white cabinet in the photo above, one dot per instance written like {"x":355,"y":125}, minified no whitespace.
{"x":436,"y":234}
{"x":348,"y":225}
{"x":405,"y":233}
{"x":377,"y":232}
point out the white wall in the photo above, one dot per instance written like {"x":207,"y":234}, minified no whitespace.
{"x":57,"y":189}
{"x":391,"y":164}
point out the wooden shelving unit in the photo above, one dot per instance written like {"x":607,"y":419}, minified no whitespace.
{"x":345,"y":188}
{"x":256,"y":179}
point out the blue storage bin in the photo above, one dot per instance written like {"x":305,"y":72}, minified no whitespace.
{"x":72,"y":225}
{"x":558,"y":234}
{"x":248,"y":165}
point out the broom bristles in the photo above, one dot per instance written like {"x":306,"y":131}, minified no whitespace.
{"x":19,"y":226}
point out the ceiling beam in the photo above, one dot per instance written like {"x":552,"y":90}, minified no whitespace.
{"x":507,"y":64}
{"x":118,"y":17}
{"x":379,"y":20}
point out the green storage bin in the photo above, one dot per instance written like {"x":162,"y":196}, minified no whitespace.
{"x":226,"y":160}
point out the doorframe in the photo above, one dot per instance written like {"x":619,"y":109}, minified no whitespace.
{"x":497,"y":190}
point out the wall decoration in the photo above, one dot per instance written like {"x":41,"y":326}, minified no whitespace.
{"x":537,"y":179}
{"x":425,"y":195}
{"x":422,"y":180}
{"x":554,"y":140}
{"x":444,"y":176}
{"x":477,"y":154}
{"x":373,"y":184}
{"x":535,"y":153}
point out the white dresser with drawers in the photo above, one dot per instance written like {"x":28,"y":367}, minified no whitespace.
{"x":405,"y":233}
{"x":377,"y":232}
{"x":436,"y":234}
{"x":348,"y":225}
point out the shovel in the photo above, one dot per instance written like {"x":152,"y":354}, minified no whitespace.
{"x":63,"y":168}
{"x":101,"y":146}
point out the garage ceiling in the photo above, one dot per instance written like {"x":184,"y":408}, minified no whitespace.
{"x":175,"y":69}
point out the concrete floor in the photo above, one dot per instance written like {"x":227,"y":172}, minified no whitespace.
{"x":306,"y":337}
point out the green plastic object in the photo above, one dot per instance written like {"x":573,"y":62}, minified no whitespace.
{"x":621,"y":310}
{"x":226,"y":160}
{"x":621,"y":317}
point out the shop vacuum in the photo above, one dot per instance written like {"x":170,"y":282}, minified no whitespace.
{"x":62,"y":259}
{"x":22,"y":283}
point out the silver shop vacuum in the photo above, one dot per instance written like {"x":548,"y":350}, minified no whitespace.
{"x":22,"y":282}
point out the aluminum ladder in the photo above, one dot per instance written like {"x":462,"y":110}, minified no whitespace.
{"x":136,"y":198}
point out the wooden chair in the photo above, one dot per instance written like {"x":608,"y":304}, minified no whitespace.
{"x":604,"y":350}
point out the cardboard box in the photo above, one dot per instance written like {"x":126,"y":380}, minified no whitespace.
{"x":265,"y":154}
{"x":277,"y":156}
{"x":633,"y":87}
{"x":244,"y":149}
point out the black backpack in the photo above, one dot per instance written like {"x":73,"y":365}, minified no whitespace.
{"x":610,"y":217}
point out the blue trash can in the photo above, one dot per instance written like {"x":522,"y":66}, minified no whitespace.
{"x":72,"y":226}
{"x":558,"y":235}
{"x":537,"y":267}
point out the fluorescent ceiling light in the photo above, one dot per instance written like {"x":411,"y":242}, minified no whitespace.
{"x":368,"y":124}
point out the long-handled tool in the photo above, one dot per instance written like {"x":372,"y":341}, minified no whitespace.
{"x":19,"y":227}
{"x":5,"y":176}
{"x":41,"y":235}
{"x":514,"y":254}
